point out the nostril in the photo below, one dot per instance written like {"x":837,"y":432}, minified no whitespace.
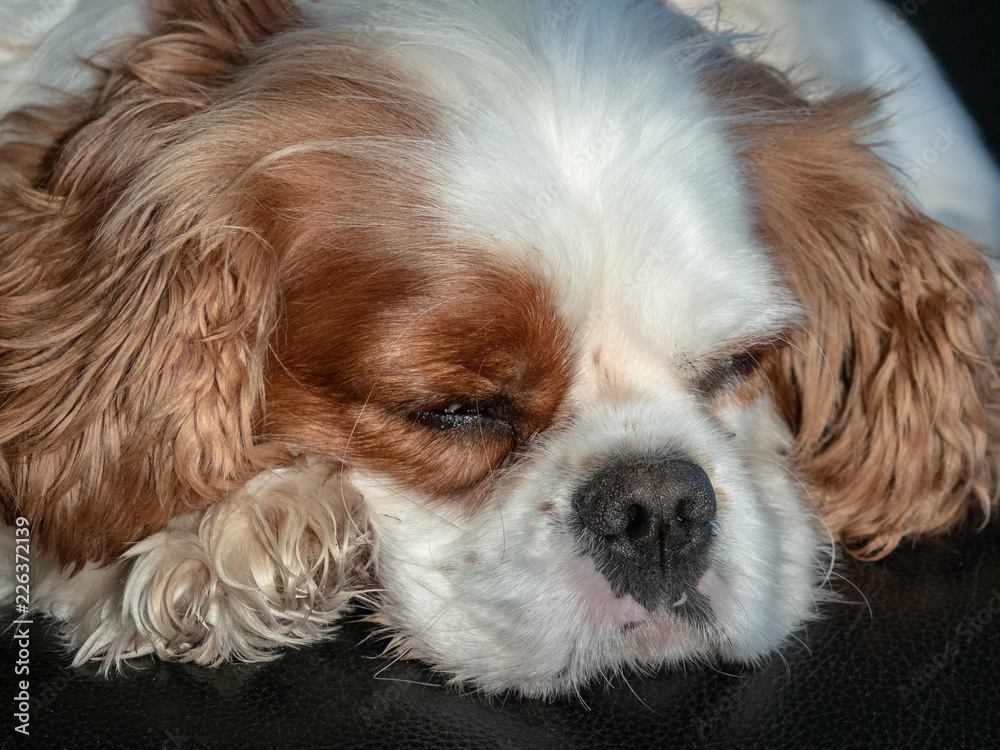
{"x":637,"y":518}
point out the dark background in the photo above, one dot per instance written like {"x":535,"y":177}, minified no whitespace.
{"x":965,"y":36}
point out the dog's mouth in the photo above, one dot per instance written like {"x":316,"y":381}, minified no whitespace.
{"x":693,"y":607}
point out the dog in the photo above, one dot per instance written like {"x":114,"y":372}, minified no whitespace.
{"x":563,"y":336}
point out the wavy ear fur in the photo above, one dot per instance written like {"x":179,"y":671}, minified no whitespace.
{"x":135,"y":305}
{"x":891,"y":386}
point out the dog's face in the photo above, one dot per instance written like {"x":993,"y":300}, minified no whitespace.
{"x":608,"y":328}
{"x":549,"y":389}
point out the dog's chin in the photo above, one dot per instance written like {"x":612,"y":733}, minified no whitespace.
{"x":543,"y":649}
{"x":559,"y":646}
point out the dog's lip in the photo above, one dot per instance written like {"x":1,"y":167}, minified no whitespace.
{"x":623,"y":613}
{"x":626,"y":612}
{"x":603,"y":609}
{"x":611,"y":612}
{"x":711,"y":585}
{"x":692,"y":605}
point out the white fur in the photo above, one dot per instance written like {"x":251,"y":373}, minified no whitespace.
{"x":574,"y":142}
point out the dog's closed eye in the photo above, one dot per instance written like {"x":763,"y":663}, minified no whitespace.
{"x":492,"y":417}
{"x":728,"y":372}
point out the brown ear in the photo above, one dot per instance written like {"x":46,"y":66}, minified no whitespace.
{"x":891,"y":386}
{"x":134,"y":309}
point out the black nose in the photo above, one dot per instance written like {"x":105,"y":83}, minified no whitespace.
{"x":647,"y":523}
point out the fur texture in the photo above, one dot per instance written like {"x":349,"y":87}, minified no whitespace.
{"x":310,"y":302}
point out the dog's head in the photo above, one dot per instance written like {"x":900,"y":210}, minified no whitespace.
{"x":612,"y":331}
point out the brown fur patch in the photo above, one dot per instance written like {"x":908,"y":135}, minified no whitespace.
{"x":140,"y":288}
{"x":891,"y":386}
{"x":374,"y":337}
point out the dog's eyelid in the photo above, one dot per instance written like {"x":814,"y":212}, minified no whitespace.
{"x":730,"y":369}
{"x":463,"y":411}
{"x":459,"y":407}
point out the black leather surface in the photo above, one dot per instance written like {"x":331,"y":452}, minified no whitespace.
{"x":915,"y":667}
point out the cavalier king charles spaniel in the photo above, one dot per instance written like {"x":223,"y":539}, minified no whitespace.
{"x":562,"y":336}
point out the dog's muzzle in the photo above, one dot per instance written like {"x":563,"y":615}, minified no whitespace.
{"x":647,"y":524}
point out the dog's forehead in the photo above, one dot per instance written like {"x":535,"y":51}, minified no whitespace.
{"x":593,"y":155}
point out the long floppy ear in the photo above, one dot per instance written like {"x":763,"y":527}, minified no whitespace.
{"x":135,"y":304}
{"x":891,"y":387}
